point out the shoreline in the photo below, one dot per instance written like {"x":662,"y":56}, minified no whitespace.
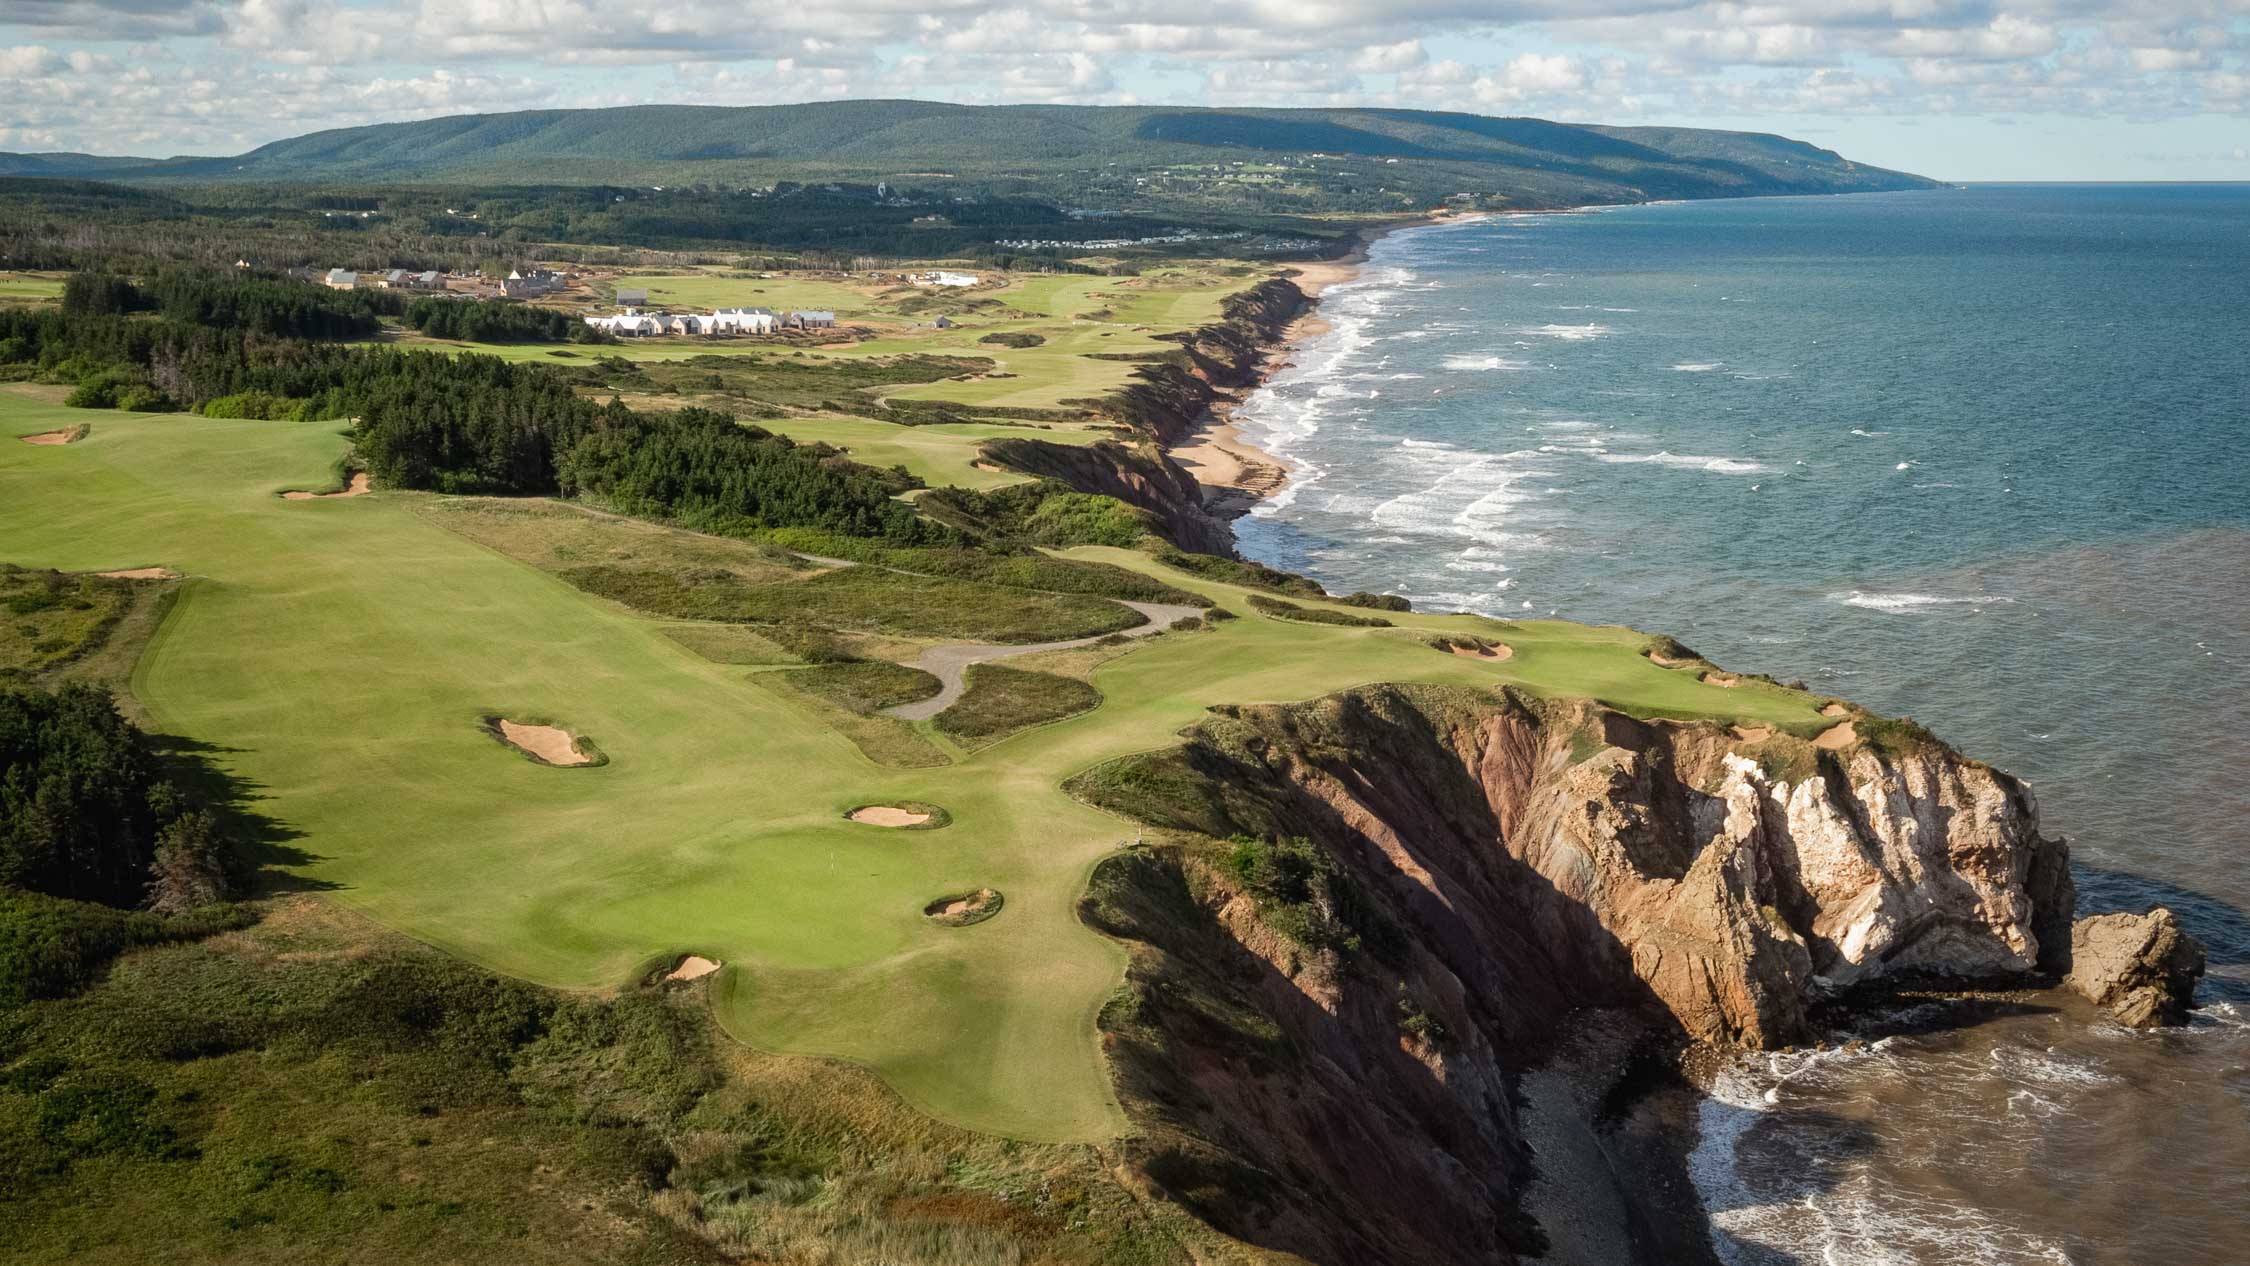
{"x":1234,"y":474}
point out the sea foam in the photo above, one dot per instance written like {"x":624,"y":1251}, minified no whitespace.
{"x":1904,"y":602}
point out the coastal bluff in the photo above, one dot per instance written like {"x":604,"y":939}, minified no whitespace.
{"x":1385,"y":916}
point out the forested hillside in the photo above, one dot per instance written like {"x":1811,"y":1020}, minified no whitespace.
{"x":1176,"y":157}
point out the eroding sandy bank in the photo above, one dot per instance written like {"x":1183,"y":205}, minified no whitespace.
{"x":692,"y":967}
{"x":358,"y":487}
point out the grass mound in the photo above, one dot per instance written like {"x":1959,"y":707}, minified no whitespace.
{"x":866,"y":686}
{"x":1001,"y":700}
{"x":1280,"y":610}
{"x":872,"y":599}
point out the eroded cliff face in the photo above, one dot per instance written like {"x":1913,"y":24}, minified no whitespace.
{"x":1165,"y":399}
{"x":1324,"y":1043}
{"x":1139,"y":475}
{"x":1168,"y":396}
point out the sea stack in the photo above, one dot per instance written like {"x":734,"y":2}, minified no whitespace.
{"x":2143,"y":967}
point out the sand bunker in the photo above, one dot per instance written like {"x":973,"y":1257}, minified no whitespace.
{"x":1835,"y":710}
{"x":54,"y":437}
{"x":693,"y":967}
{"x":963,"y":909}
{"x":358,"y":487}
{"x":1725,"y":681}
{"x":140,"y":573}
{"x":1837,"y":737}
{"x":1493,"y":653}
{"x":1664,"y":661}
{"x":1753,"y":733}
{"x":887,"y":815}
{"x":549,"y":743}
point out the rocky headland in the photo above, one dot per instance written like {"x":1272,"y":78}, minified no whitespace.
{"x":1422,"y":975}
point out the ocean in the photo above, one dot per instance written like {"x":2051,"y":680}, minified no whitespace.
{"x":1977,"y":456}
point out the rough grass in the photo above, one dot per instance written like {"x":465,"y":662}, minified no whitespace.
{"x":556,"y":536}
{"x":866,"y":687}
{"x":872,"y":599}
{"x":312,"y":1088}
{"x":50,"y":621}
{"x":1280,"y":610}
{"x":731,"y":644}
{"x":887,"y":741}
{"x":1001,"y":700}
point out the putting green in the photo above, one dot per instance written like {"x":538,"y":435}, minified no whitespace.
{"x":340,"y":653}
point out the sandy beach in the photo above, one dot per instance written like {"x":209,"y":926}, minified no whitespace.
{"x":1236,"y":474}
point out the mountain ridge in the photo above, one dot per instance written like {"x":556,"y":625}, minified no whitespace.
{"x":1416,"y":154}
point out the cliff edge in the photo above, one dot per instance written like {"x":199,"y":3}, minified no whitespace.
{"x":1380,"y":913}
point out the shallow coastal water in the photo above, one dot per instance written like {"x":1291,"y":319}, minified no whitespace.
{"x":1981,"y":457}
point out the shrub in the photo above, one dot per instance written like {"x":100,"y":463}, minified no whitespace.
{"x":145,"y":399}
{"x":1280,"y":610}
{"x":103,"y":388}
{"x":256,"y":405}
{"x":1302,"y":894}
{"x":51,"y":947}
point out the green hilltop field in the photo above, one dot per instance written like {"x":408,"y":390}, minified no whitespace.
{"x":339,"y":656}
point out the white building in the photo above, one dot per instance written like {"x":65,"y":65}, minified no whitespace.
{"x":940,"y":277}
{"x":742,"y":321}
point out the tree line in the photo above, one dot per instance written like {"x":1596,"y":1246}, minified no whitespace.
{"x":497,"y":321}
{"x":87,"y":814}
{"x":278,"y":307}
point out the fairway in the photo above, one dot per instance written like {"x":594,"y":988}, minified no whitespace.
{"x":341,"y":654}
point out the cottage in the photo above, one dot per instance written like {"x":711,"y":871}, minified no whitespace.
{"x":942,"y":323}
{"x":394,"y":279}
{"x":431,"y":280}
{"x":531,"y":285}
{"x":632,"y":298}
{"x":742,"y":321}
{"x":689,"y":324}
{"x":628,"y":325}
{"x":341,"y":279}
{"x":812,"y":320}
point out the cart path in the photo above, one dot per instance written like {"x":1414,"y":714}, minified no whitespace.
{"x":950,"y":663}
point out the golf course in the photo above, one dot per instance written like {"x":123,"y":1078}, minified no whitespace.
{"x":344,"y":655}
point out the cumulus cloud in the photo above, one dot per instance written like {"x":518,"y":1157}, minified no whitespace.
{"x":208,"y":75}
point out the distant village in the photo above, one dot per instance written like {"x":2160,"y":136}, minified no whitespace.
{"x":633,"y":323}
{"x":537,"y":284}
{"x":634,"y":317}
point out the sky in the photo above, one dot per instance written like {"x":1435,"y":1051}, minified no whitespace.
{"x":1957,"y":89}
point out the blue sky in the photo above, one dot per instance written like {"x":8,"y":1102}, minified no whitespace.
{"x":1959,"y":89}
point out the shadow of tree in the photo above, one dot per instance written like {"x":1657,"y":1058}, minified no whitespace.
{"x":266,"y":844}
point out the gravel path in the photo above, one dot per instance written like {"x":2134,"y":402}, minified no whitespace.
{"x":949,"y":663}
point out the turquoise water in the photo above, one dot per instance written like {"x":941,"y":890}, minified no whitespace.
{"x":1978,"y":456}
